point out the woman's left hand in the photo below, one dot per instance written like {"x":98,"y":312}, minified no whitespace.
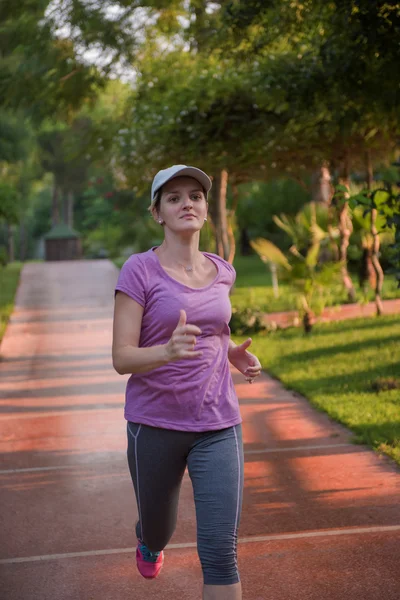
{"x":245,"y":362}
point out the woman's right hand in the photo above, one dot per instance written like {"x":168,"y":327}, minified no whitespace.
{"x":183,"y":340}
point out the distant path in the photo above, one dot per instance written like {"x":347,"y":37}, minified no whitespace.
{"x":321,"y":517}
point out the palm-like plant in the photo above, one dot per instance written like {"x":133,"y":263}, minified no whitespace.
{"x":302,"y":268}
{"x":377,"y":211}
{"x":363,"y":238}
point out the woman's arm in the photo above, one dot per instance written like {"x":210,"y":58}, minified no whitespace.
{"x":231,"y":346}
{"x":128,"y":357}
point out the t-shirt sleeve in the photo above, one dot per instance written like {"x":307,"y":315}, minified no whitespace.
{"x":132,"y":279}
{"x":232,"y":273}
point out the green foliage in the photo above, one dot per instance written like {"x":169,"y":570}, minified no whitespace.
{"x":190,"y":109}
{"x":42,"y":71}
{"x":346,"y":47}
{"x":269,"y":253}
{"x":65,"y":152}
{"x":9,"y":200}
{"x":253,"y":289}
{"x":9,"y":277}
{"x":302,"y":268}
{"x":239,"y":86}
{"x":386,"y":201}
{"x":260,"y":201}
{"x":13,"y":137}
{"x":3,"y":256}
{"x":246,"y":321}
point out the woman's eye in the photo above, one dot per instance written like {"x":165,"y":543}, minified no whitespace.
{"x":173,"y":199}
{"x":196,"y":197}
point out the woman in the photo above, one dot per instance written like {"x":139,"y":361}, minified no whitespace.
{"x":171,"y":334}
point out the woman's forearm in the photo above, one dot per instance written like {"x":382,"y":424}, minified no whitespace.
{"x":130,"y":359}
{"x":231,"y":345}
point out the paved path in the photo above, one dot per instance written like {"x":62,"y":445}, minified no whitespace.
{"x":321,"y":517}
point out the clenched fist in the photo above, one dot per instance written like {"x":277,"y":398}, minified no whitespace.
{"x":183,"y":340}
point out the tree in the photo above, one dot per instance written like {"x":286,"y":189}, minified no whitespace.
{"x":195,"y":109}
{"x":43,"y":69}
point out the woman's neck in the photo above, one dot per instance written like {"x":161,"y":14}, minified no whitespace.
{"x":180,"y":251}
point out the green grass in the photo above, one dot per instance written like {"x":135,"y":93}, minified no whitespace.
{"x":335,"y":368}
{"x":9,"y":277}
{"x":253,"y":289}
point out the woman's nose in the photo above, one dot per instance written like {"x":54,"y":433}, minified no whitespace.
{"x":187,"y":203}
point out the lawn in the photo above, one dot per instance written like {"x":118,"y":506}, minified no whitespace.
{"x":9,"y":277}
{"x":336,"y":368}
{"x":253,"y":288}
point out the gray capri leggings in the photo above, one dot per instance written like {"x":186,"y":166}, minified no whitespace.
{"x":157,"y":460}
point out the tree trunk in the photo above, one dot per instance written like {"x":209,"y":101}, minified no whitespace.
{"x":22,"y":241}
{"x":376,"y":242}
{"x":308,"y":317}
{"x":376,"y":264}
{"x":274,"y":276}
{"x":345,"y":229}
{"x":70,"y":209}
{"x":55,"y":205}
{"x":321,"y":187}
{"x":308,"y":322}
{"x":367,"y":275}
{"x":210,"y":224}
{"x":231,"y":238}
{"x":10,"y":243}
{"x":219,"y":213}
{"x":322,"y":192}
{"x":245,"y":248}
{"x":231,"y":220}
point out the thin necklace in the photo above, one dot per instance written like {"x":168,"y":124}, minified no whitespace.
{"x":187,"y":269}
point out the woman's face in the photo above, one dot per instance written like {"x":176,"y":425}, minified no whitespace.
{"x":183,"y":205}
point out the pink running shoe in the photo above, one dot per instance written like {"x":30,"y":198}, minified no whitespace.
{"x":148,"y":563}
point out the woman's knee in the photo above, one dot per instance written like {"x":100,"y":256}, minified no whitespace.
{"x":218,"y":559}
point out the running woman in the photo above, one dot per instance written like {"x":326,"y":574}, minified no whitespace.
{"x":171,"y":334}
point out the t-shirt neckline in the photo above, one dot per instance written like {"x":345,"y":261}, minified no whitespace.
{"x":188,"y":287}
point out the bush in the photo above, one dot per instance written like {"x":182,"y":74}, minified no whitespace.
{"x":3,"y":256}
{"x":247,"y":321}
{"x":383,"y":384}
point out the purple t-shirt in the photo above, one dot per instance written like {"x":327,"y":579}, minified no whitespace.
{"x":188,"y":394}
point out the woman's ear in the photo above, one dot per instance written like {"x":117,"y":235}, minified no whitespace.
{"x":155,"y":214}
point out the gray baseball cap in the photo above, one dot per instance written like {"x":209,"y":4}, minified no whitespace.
{"x":179,"y":171}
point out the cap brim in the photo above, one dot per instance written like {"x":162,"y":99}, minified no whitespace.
{"x":197,"y":174}
{"x":193,"y":172}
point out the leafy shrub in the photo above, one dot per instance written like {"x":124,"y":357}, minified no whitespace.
{"x":246,"y":321}
{"x":383,"y":384}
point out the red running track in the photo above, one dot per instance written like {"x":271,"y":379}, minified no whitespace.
{"x":321,"y":516}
